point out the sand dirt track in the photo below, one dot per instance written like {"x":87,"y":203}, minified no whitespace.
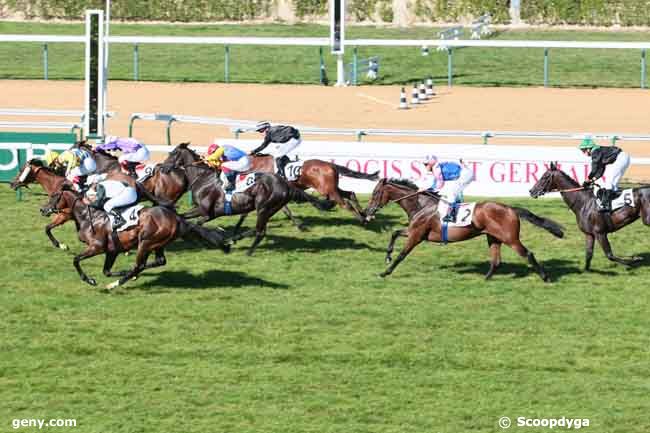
{"x":457,"y":108}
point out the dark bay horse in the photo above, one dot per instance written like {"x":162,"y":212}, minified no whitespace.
{"x":156,"y":228}
{"x":34,"y":171}
{"x":499,"y":222}
{"x":323,"y":177}
{"x":267,"y":196}
{"x":166,"y":183}
{"x":595,"y":225}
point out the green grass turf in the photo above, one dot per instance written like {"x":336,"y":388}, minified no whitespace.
{"x":472,"y":66}
{"x":304,"y":337}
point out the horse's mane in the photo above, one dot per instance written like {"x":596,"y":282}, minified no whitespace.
{"x":566,"y":176}
{"x":41,"y":164}
{"x":185,"y":145}
{"x":403,"y":182}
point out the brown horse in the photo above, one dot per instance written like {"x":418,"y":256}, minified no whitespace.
{"x":156,"y":228}
{"x":166,"y":183}
{"x":34,"y":171}
{"x":595,"y":225}
{"x":323,"y":177}
{"x":499,"y":222}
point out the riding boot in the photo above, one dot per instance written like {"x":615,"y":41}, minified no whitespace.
{"x":451,"y":214}
{"x":281,"y":162}
{"x":131,"y":168}
{"x":118,"y":221}
{"x":605,"y":200}
{"x":231,"y":177}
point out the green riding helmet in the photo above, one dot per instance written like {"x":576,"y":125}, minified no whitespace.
{"x":588,"y":143}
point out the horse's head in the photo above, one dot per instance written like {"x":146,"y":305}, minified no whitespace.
{"x":27,"y":174}
{"x":378,"y":199}
{"x":182,"y":156}
{"x":552,"y":180}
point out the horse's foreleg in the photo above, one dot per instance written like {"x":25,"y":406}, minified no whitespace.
{"x":263,"y":216}
{"x":525,"y":253}
{"x":607,"y":248}
{"x":235,"y":231}
{"x":352,"y":204}
{"x":391,"y":243}
{"x":414,"y":240}
{"x":495,"y":255}
{"x":589,"y":250}
{"x":58,"y":219}
{"x":144,"y":249}
{"x":293,"y":220}
{"x":109,"y":261}
{"x":90,"y":251}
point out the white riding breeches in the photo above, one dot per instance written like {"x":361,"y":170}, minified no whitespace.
{"x":614,"y":171}
{"x":282,"y":149}
{"x":140,"y":155}
{"x":126,"y":197}
{"x":86,"y":167}
{"x":242,"y":164}
{"x":452,"y":191}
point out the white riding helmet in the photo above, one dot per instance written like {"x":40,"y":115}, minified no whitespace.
{"x":429,"y":159}
{"x":261,"y":126}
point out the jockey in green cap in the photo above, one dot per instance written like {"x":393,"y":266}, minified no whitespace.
{"x":610,"y":161}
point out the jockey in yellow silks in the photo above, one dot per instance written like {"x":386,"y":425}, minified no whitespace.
{"x":78,"y":164}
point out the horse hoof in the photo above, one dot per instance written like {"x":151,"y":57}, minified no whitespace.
{"x":388,"y":260}
{"x":91,"y":281}
{"x":383,"y":275}
{"x":302,"y":228}
{"x":64,"y":247}
{"x":113,"y":285}
{"x":226,"y":249}
{"x":546,"y":279}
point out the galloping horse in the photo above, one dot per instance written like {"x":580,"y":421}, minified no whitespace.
{"x":156,"y":228}
{"x":322,"y":176}
{"x":34,"y":171}
{"x":499,"y":222}
{"x":268,"y":195}
{"x":166,"y":183}
{"x":595,"y":225}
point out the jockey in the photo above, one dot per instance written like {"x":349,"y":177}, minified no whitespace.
{"x":449,"y":179}
{"x":608,"y":160}
{"x":229,"y":159}
{"x":78,"y":164}
{"x":133,"y":152}
{"x":287,"y":139}
{"x":110,"y":195}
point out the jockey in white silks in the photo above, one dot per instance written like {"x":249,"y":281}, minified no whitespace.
{"x":110,"y":195}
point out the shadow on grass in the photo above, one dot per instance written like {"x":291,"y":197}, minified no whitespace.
{"x":207,"y":280}
{"x":380,"y":224}
{"x":556,"y":268}
{"x":285,"y":243}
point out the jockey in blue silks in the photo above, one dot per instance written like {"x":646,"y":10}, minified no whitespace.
{"x":447,"y":178}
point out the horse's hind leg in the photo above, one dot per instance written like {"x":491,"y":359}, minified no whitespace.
{"x":589,"y":250}
{"x":242,"y":218}
{"x":495,"y":255}
{"x":144,"y":249}
{"x":352,"y":204}
{"x":524,"y":252}
{"x":607,"y":248}
{"x":391,"y":243}
{"x":109,"y":261}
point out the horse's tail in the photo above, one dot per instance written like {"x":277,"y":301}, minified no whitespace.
{"x":300,"y":196}
{"x":344,"y":171}
{"x":549,"y":225}
{"x":194,"y":232}
{"x":141,"y":190}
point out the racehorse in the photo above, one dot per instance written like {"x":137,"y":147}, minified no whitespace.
{"x":267,"y":195}
{"x":322,"y":176}
{"x":595,"y":225}
{"x":34,"y":171}
{"x":499,"y":222}
{"x":157,"y":227}
{"x":166,"y":183}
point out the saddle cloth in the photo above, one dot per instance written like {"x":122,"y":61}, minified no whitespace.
{"x":144,"y":171}
{"x":626,"y":198}
{"x":463,"y":217}
{"x":130,"y":214}
{"x":292,"y":170}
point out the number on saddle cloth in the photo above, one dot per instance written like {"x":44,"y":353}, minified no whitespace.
{"x":625,"y":198}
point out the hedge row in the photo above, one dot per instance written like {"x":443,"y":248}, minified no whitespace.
{"x":592,"y":12}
